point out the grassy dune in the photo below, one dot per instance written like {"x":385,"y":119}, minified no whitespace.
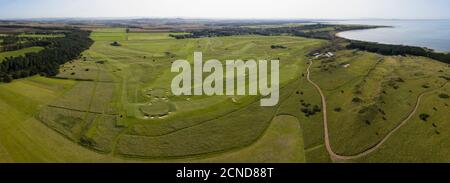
{"x":284,"y":133}
{"x":25,"y":139}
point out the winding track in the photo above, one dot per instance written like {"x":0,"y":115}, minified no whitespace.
{"x":335,"y":157}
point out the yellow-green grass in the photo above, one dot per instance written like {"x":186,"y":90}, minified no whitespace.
{"x":101,"y":136}
{"x":387,"y":87}
{"x":420,"y":141}
{"x":21,"y":52}
{"x":284,"y":133}
{"x":78,"y":98}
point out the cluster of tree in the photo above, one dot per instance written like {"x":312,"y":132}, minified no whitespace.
{"x":424,"y":116}
{"x":308,"y":109}
{"x":323,"y":31}
{"x":316,"y":34}
{"x":386,"y":49}
{"x":278,"y":47}
{"x":47,"y":62}
{"x":13,"y":43}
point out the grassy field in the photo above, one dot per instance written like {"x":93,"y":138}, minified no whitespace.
{"x":25,"y":139}
{"x":429,"y":143}
{"x":114,"y":104}
{"x":284,"y":133}
{"x":20,"y":52}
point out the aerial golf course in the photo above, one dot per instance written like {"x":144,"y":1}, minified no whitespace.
{"x":114,"y":104}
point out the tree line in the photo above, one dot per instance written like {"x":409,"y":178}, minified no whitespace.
{"x":386,"y":49}
{"x":321,"y":31}
{"x":46,"y":62}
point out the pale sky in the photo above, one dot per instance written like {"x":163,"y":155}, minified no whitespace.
{"x":247,"y":9}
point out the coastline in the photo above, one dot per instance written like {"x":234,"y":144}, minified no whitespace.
{"x":339,"y":35}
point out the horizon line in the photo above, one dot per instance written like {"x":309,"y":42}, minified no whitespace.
{"x":206,"y":18}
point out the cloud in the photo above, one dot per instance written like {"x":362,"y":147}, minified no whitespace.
{"x":227,"y":8}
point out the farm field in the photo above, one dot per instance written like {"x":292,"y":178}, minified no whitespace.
{"x":114,"y":104}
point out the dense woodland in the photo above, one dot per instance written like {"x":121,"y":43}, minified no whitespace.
{"x":386,"y":49}
{"x":46,"y":62}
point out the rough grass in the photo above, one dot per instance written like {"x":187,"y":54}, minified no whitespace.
{"x":103,"y":133}
{"x":387,"y":89}
{"x":78,"y":98}
{"x":418,"y":140}
{"x":102,"y":99}
{"x":283,"y":133}
{"x":236,"y":130}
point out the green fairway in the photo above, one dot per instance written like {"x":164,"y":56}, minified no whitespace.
{"x":20,"y":52}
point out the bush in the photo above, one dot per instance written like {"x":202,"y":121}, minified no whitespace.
{"x":338,"y":109}
{"x":443,"y":95}
{"x":425,"y":86}
{"x":278,"y":47}
{"x":115,"y":43}
{"x":356,"y":100}
{"x":424,"y":117}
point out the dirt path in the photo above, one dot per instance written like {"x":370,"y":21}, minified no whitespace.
{"x":335,"y":157}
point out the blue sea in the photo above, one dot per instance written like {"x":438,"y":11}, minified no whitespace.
{"x":433,"y":34}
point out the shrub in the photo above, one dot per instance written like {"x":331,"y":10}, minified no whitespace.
{"x":7,"y":78}
{"x":443,"y":95}
{"x":338,"y":109}
{"x":424,"y":117}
